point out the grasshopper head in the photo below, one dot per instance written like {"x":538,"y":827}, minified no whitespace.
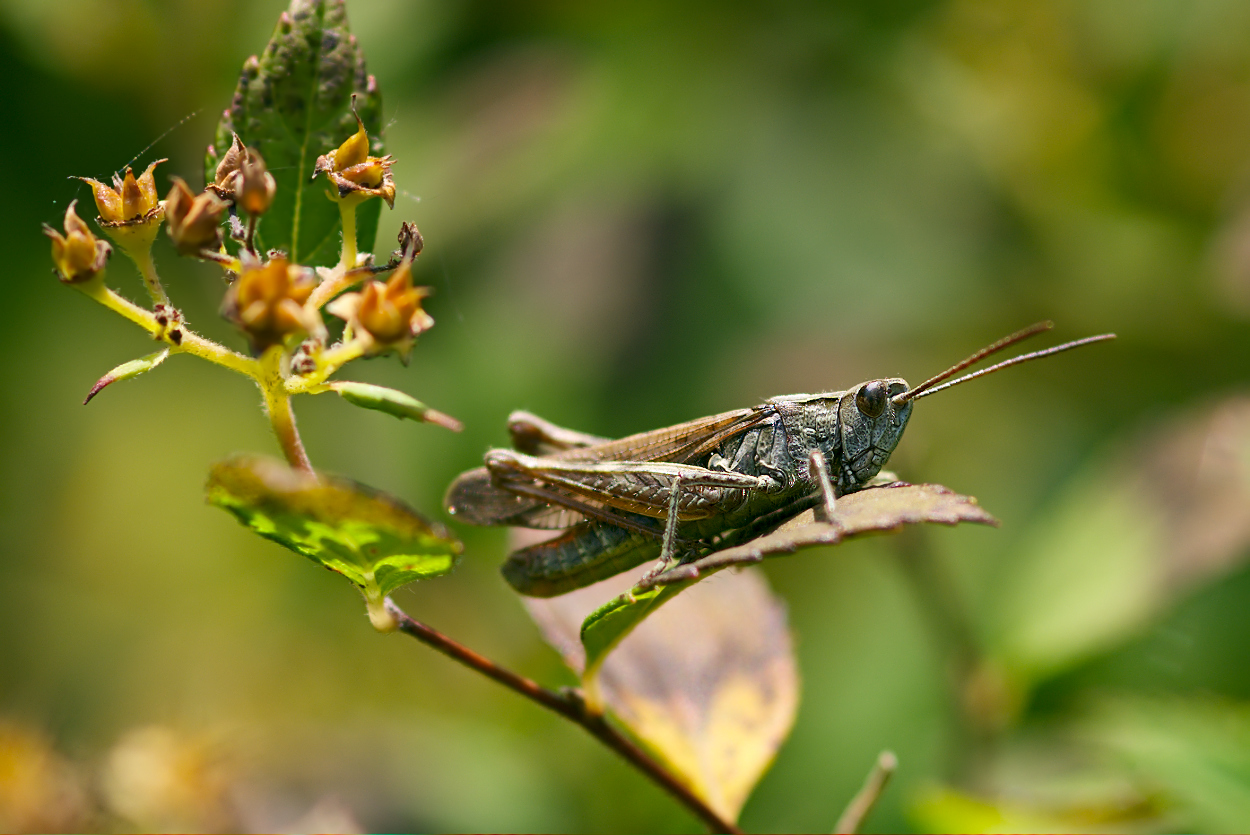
{"x":872,"y":415}
{"x":872,"y":423}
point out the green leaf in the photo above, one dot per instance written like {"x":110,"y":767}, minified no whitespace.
{"x":606,"y":626}
{"x":875,"y":510}
{"x":397,"y":403}
{"x":1085,"y":577}
{"x":126,"y":371}
{"x":372,"y":539}
{"x":1193,"y":754}
{"x":1128,"y":537}
{"x":709,"y":684}
{"x":293,"y":104}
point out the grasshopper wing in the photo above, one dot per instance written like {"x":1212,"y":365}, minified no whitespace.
{"x":480,"y":497}
{"x":474,"y":498}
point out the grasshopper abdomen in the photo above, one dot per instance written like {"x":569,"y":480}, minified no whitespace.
{"x":584,"y":554}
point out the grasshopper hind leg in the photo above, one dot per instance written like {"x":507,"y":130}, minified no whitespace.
{"x":535,"y":436}
{"x":582,"y":555}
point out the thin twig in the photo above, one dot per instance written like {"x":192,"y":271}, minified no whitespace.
{"x":861,"y":804}
{"x":249,"y":242}
{"x":569,"y":704}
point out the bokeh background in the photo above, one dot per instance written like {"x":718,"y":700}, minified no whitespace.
{"x":635,"y":214}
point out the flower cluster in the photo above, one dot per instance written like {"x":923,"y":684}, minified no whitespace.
{"x":242,"y":178}
{"x":276,"y":303}
{"x":194,"y":219}
{"x":386,"y":316}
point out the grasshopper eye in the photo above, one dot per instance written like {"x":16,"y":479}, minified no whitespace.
{"x":871,"y":399}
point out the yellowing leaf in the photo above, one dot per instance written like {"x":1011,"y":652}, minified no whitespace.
{"x":708,"y":683}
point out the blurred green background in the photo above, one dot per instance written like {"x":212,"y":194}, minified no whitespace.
{"x":635,"y":214}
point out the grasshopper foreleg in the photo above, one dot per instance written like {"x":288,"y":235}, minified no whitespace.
{"x":668,"y":547}
{"x":828,"y":495}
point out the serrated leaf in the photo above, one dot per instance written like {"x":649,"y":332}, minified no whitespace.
{"x":709,"y":684}
{"x":392,"y":402}
{"x":293,"y":104}
{"x":874,"y":510}
{"x":372,"y":539}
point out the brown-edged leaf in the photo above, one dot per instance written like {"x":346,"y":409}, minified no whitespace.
{"x":875,"y":510}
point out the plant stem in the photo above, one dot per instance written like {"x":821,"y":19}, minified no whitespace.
{"x":571,"y":706}
{"x":251,"y":233}
{"x":278,"y":407}
{"x":192,"y":342}
{"x":120,"y":305}
{"x":863,"y":801}
{"x":330,"y":360}
{"x":267,"y":372}
{"x":228,"y":262}
{"x":347,"y":211}
{"x":147,"y":269}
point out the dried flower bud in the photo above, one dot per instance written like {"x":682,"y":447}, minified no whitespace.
{"x":353,"y":151}
{"x":357,"y":175}
{"x":267,"y":302}
{"x":194,"y":220}
{"x":78,"y":255}
{"x":390,"y":314}
{"x":243,"y":179}
{"x":223,"y":184}
{"x":130,"y":211}
{"x":256,"y":187}
{"x":410,"y":241}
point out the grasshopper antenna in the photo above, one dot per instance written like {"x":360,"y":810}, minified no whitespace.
{"x":930,"y":386}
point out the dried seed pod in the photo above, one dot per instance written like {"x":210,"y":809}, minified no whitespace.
{"x":389,"y":314}
{"x":194,"y":219}
{"x":267,"y":302}
{"x":357,"y":175}
{"x":78,"y":255}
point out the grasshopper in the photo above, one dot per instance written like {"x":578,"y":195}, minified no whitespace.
{"x":684,"y":491}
